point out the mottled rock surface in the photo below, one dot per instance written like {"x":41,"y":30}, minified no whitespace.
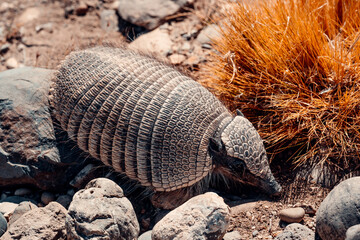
{"x":202,"y":217}
{"x":40,"y":223}
{"x":296,"y":231}
{"x":353,"y":233}
{"x":340,"y":210}
{"x":100,"y":211}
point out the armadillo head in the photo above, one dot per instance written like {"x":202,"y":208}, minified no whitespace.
{"x":238,"y":152}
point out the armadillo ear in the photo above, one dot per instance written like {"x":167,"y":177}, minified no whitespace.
{"x":215,"y":144}
{"x":239,"y":113}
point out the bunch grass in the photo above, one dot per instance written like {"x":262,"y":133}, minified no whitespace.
{"x":293,"y":68}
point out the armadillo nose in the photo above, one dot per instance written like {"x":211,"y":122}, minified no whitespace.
{"x":275,"y":189}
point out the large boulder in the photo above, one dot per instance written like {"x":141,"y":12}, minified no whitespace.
{"x":100,"y":211}
{"x":28,"y":146}
{"x":205,"y":216}
{"x":340,"y":210}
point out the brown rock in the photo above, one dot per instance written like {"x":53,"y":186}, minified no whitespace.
{"x":39,"y":223}
{"x":292,"y":215}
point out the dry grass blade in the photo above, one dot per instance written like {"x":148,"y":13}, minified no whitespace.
{"x":292,"y":66}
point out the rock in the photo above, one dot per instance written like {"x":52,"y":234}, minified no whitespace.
{"x":3,"y":224}
{"x":339,"y":210}
{"x":176,"y":59}
{"x":101,"y":210}
{"x":29,"y":15}
{"x":149,"y":14}
{"x":20,"y":210}
{"x":46,"y":27}
{"x":3,"y":196}
{"x":234,"y":235}
{"x":39,"y":223}
{"x":84,"y":176}
{"x":81,"y":9}
{"x":202,"y":217}
{"x":145,"y":236}
{"x":109,"y":20}
{"x":17,"y":200}
{"x":28,"y":146}
{"x":292,"y":215}
{"x":7,"y":208}
{"x":255,"y":233}
{"x":296,"y":231}
{"x":206,"y":46}
{"x":64,"y":200}
{"x":22,"y":191}
{"x":208,"y":33}
{"x":353,"y":233}
{"x":157,"y":41}
{"x":11,"y":63}
{"x":192,"y":60}
{"x":47,"y":197}
{"x":243,"y":207}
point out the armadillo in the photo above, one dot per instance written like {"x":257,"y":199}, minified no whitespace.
{"x":155,"y":124}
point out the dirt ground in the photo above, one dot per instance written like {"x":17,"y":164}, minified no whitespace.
{"x":26,"y":36}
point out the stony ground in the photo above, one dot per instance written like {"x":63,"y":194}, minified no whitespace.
{"x":40,"y":33}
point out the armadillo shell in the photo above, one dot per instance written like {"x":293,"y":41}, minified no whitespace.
{"x":140,"y":116}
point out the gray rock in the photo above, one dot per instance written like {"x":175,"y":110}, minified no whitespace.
{"x":101,"y":210}
{"x":255,"y":233}
{"x":3,"y":224}
{"x":20,"y":210}
{"x":292,"y":215}
{"x":145,"y":236}
{"x":157,"y":41}
{"x":64,"y":200}
{"x":234,"y":235}
{"x":353,"y":233}
{"x":202,"y":217}
{"x":47,"y":197}
{"x":339,"y":210}
{"x":22,"y":191}
{"x":208,"y":33}
{"x":109,"y":20}
{"x":28,"y":148}
{"x":39,"y":223}
{"x":296,"y":231}
{"x":149,"y":14}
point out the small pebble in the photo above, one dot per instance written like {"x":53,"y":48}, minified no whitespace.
{"x":47,"y":197}
{"x":7,"y":208}
{"x":353,"y":233}
{"x":11,"y":63}
{"x":292,"y":215}
{"x":234,"y":235}
{"x":255,"y":233}
{"x":3,"y":196}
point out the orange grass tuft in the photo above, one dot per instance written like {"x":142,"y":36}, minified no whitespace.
{"x":292,"y":67}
